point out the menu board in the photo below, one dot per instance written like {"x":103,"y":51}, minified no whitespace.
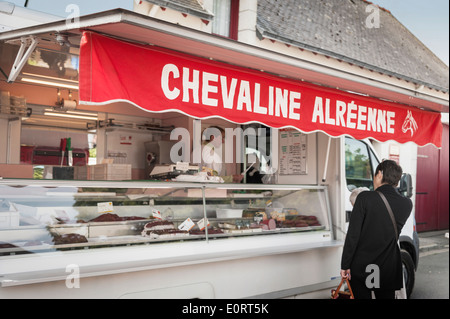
{"x":293,"y":152}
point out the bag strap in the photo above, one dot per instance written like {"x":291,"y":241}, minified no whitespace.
{"x":350,"y":289}
{"x":390,"y":213}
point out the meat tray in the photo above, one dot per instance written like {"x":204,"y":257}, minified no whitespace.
{"x":101,"y":229}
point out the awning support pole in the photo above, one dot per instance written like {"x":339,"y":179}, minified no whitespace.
{"x":324,"y":178}
{"x":22,"y":56}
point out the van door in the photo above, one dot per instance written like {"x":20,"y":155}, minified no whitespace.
{"x":360,"y":165}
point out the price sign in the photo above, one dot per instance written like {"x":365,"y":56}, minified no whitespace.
{"x":201,"y":223}
{"x":186,"y":225}
{"x":156,"y":214}
{"x":105,"y":207}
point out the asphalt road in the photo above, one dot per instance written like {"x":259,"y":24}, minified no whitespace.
{"x":432,"y":281}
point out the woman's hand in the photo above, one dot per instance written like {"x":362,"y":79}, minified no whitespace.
{"x":346,"y":274}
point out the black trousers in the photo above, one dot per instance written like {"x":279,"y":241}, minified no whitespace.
{"x":360,"y":291}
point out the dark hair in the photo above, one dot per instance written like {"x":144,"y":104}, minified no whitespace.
{"x":392,"y":172}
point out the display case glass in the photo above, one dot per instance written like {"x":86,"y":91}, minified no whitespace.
{"x":38,"y":216}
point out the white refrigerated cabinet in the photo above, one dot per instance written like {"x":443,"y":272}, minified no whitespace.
{"x":232,"y":258}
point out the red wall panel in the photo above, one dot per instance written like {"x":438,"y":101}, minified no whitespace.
{"x":443,"y":207}
{"x":432,"y":190}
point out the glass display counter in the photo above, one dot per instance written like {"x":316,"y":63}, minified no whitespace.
{"x":39,"y":216}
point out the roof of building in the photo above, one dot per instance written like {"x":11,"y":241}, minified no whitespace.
{"x":343,"y":29}
{"x":192,"y":7}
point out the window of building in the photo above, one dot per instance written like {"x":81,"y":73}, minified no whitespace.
{"x":226,"y":13}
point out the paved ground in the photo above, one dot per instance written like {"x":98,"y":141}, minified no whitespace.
{"x":432,"y":275}
{"x":434,"y":240}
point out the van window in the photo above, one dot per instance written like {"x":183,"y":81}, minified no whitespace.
{"x":358,"y":165}
{"x":374,"y":161}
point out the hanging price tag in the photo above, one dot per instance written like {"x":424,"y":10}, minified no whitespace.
{"x":186,"y":225}
{"x":201,"y":223}
{"x":105,"y":207}
{"x":156,"y":214}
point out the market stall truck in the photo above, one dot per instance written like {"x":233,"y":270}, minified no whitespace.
{"x":297,"y":255}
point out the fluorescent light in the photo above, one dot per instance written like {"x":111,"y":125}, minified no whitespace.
{"x":81,"y":113}
{"x":73,"y":116}
{"x":48,"y":80}
{"x":61,"y":85}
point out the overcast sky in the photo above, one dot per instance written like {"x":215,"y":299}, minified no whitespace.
{"x":428,"y":20}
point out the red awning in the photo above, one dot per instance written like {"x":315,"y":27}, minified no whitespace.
{"x":160,"y":80}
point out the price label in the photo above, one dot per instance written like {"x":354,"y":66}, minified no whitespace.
{"x":156,"y":214}
{"x":201,"y":223}
{"x":258,"y":218}
{"x":186,"y":225}
{"x":182,"y":166}
{"x":105,"y":207}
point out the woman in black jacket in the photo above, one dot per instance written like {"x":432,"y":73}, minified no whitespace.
{"x":371,"y":257}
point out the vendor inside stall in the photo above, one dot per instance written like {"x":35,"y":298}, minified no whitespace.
{"x":213,"y":155}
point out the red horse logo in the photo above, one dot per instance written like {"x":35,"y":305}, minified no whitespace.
{"x":409,"y":124}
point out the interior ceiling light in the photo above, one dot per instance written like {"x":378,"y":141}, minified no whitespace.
{"x":71,"y":115}
{"x":48,"y":80}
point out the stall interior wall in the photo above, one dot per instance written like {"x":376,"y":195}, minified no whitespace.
{"x":334,"y":179}
{"x":310,"y":176}
{"x":49,"y":137}
{"x":3,"y":139}
{"x":317,"y":144}
{"x":9,"y":138}
{"x":124,"y":145}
